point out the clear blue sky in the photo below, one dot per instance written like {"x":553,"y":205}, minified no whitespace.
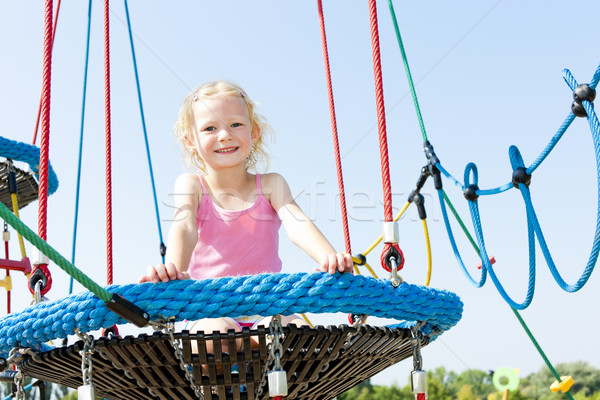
{"x":488,"y":75}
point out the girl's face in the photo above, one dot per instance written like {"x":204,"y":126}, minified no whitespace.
{"x":223,"y":134}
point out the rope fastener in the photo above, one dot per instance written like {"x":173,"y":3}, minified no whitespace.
{"x":582,"y":92}
{"x":395,"y":278}
{"x":390,"y":232}
{"x":520,"y":175}
{"x":433,"y":160}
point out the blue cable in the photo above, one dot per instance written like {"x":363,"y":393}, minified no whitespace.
{"x":25,"y":389}
{"x":455,"y":248}
{"x":139,"y":93}
{"x":85,"y":73}
{"x":471,"y":177}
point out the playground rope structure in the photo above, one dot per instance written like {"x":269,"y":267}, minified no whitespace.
{"x":582,"y":106}
{"x":270,"y":294}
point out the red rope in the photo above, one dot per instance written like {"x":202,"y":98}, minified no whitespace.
{"x":383,"y":148}
{"x":45,"y":140}
{"x":109,"y":260}
{"x":336,"y":145}
{"x":39,"y":112}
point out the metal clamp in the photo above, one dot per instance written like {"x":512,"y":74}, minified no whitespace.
{"x":395,"y":278}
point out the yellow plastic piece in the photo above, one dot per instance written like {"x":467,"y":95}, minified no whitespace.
{"x":6,"y":283}
{"x":563,"y":386}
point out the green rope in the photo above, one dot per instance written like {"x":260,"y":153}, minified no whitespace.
{"x":408,"y":75}
{"x":58,"y":259}
{"x":539,"y":349}
{"x":461,"y":223}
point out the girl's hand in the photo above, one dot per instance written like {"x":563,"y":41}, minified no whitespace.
{"x":336,"y":262}
{"x":163,"y":273}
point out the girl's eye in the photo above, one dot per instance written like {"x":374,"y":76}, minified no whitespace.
{"x":236,"y":124}
{"x":210,"y":129}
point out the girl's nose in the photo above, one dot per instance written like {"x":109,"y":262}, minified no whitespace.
{"x":224,"y":134}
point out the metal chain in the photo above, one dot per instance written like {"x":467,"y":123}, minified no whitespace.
{"x":170,"y":330}
{"x":275,"y":351}
{"x":20,"y":395}
{"x":416,"y":342}
{"x":87,"y":365}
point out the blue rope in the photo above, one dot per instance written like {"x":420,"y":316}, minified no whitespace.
{"x":533,"y":226}
{"x":455,"y":248}
{"x":25,"y":389}
{"x":450,"y":177}
{"x":29,"y":154}
{"x":480,"y":192}
{"x":471,"y":177}
{"x":264,"y":294}
{"x":85,"y":74}
{"x":139,"y":93}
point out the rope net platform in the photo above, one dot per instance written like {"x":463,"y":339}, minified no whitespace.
{"x":27,"y":186}
{"x":320,"y":363}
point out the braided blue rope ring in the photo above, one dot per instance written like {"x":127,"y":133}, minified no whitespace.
{"x":29,"y":154}
{"x":264,"y":294}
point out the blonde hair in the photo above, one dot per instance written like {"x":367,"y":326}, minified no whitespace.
{"x":184,"y":127}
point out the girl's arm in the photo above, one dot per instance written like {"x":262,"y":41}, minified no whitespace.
{"x":301,"y":230}
{"x":183,"y":234}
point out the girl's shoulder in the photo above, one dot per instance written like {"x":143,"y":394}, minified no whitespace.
{"x":275,"y":189}
{"x":272,"y":181}
{"x":188,"y":184}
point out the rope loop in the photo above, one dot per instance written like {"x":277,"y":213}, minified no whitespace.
{"x":391,"y":250}
{"x":471,"y":175}
{"x":40,"y":273}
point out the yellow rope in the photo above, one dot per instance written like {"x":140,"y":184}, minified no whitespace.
{"x":428,"y":244}
{"x":306,"y":319}
{"x":371,"y":271}
{"x":15,"y":204}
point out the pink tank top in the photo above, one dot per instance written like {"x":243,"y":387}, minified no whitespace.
{"x":232,"y":243}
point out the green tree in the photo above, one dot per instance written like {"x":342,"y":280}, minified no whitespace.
{"x":480,"y":383}
{"x":466,"y":393}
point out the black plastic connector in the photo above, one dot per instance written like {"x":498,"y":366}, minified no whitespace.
{"x":113,"y":331}
{"x":362,"y":260}
{"x":127,"y":310}
{"x":12,"y":181}
{"x":437,"y":177}
{"x":582,"y":92}
{"x":430,"y":153}
{"x":419,"y":201}
{"x":8,"y":376}
{"x":37,"y":275}
{"x":393,"y":252}
{"x":470,"y":193}
{"x":520,"y":175}
{"x":163,"y":250}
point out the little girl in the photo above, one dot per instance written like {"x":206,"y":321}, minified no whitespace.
{"x":227,"y":219}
